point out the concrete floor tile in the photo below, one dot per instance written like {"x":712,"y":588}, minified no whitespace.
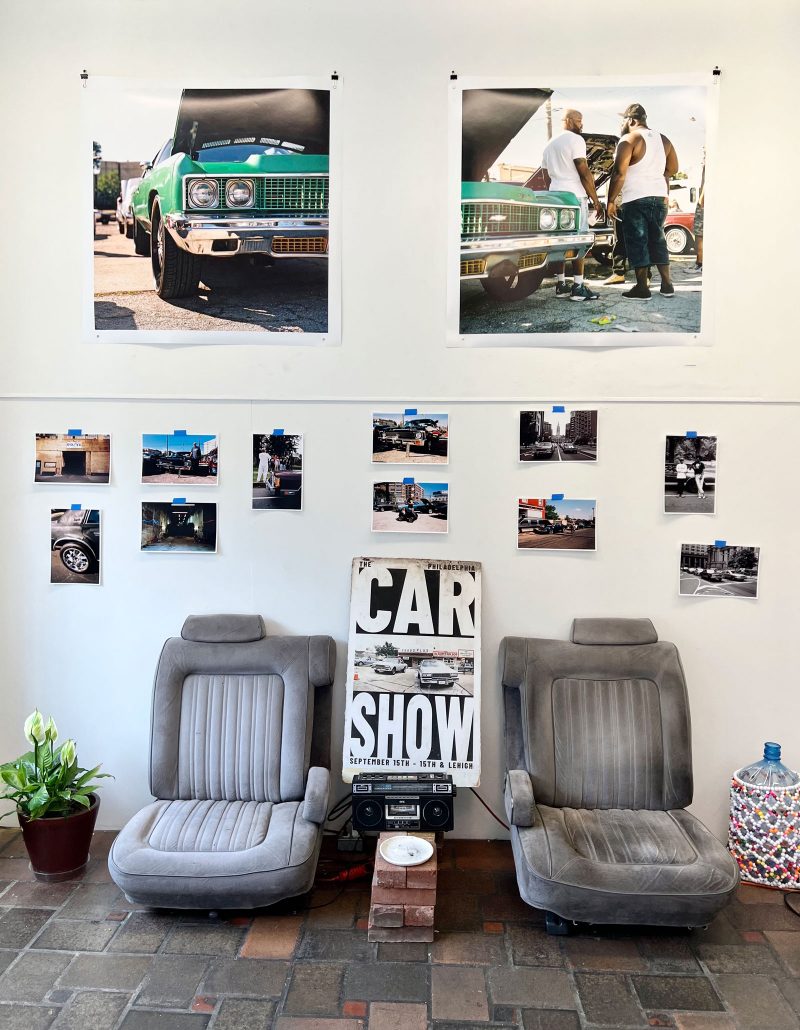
{"x":336,"y":945}
{"x":764,"y":916}
{"x":608,"y":1000}
{"x":484,"y":854}
{"x":790,"y":989}
{"x":339,"y":914}
{"x":258,"y":978}
{"x":550,"y":1019}
{"x":272,"y":937}
{"x":739,"y":958}
{"x":317,"y":1023}
{"x":142,"y":932}
{"x":31,"y":894}
{"x":15,"y":869}
{"x":458,"y":912}
{"x":18,"y":926}
{"x":244,"y":1014}
{"x":141,"y":1019}
{"x":32,"y":976}
{"x":668,"y":953}
{"x":459,"y":993}
{"x":526,"y":987}
{"x":391,"y":1015}
{"x":172,"y":981}
{"x":753,"y":894}
{"x":704,"y":1021}
{"x":387,"y":981}
{"x":533,"y":946}
{"x":754,"y":1002}
{"x":210,"y":938}
{"x":676,"y":992}
{"x":122,"y":972}
{"x":27,"y":1017}
{"x":93,"y":901}
{"x":91,"y":1010}
{"x":614,"y":956}
{"x":404,"y":951}
{"x":315,"y":989}
{"x":474,"y":949}
{"x":785,"y":944}
{"x":75,"y":935}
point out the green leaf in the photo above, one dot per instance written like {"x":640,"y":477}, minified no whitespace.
{"x":13,"y":778}
{"x":81,"y":800}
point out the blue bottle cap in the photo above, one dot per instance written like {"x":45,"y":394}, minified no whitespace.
{"x":772,"y":751}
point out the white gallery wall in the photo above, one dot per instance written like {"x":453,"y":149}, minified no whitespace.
{"x":87,"y":654}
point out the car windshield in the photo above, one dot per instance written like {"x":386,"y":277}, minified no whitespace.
{"x":226,"y":150}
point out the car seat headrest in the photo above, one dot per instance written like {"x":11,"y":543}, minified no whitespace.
{"x":223,"y":629}
{"x":613,"y":631}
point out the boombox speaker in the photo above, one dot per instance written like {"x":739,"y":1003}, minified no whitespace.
{"x":403,"y":801}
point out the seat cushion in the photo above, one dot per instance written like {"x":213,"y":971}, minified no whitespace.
{"x":623,"y":866}
{"x":215,"y":854}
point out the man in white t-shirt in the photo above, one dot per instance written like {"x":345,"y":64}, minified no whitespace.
{"x":566,"y":169}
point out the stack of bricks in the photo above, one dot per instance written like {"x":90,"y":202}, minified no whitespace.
{"x":403,"y":897}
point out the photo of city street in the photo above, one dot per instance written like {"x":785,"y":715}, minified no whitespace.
{"x":409,"y":437}
{"x":277,"y":471}
{"x":179,"y":527}
{"x":180,"y":458}
{"x":567,"y":434}
{"x":555,"y":525}
{"x":690,"y":474}
{"x":401,"y":666}
{"x":719,"y":570}
{"x":409,"y":507}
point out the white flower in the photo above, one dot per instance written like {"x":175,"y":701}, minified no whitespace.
{"x":50,"y":730}
{"x":34,"y":727}
{"x":68,"y":752}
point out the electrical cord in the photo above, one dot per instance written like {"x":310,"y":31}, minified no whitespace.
{"x":494,"y":815}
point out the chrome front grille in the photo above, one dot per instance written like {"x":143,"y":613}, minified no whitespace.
{"x":479,"y":218}
{"x":294,"y":195}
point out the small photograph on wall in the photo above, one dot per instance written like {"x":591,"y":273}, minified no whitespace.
{"x":555,"y":524}
{"x":558,"y":433}
{"x":72,"y":457}
{"x":190,"y":459}
{"x":278,"y":471}
{"x":578,"y":214}
{"x":690,"y":474}
{"x":179,"y":527}
{"x":75,"y":545}
{"x":410,"y":437}
{"x":407,"y":506}
{"x":719,"y":570}
{"x":211,"y":212}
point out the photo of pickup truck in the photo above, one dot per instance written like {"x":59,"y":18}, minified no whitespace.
{"x":410,"y":436}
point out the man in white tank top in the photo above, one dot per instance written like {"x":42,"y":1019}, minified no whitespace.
{"x":644,"y":163}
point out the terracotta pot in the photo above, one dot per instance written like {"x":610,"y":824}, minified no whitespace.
{"x":58,"y":846}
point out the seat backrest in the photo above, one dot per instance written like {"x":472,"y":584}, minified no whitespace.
{"x":600,"y":721}
{"x":237,"y":715}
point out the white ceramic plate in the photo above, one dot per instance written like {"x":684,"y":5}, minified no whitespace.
{"x":406,"y":850}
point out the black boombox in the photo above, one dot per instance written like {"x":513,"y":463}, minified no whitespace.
{"x":403,"y":801}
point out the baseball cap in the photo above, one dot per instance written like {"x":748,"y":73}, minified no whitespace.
{"x":634,"y":111}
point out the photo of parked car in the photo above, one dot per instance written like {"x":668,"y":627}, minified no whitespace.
{"x":719,"y":570}
{"x":433,"y":672}
{"x":75,"y":545}
{"x":556,"y":524}
{"x":389,"y":666}
{"x":179,"y":457}
{"x":403,"y":437}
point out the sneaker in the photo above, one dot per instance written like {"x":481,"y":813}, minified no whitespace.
{"x":698,"y":266}
{"x":614,"y":279}
{"x":667,"y":290}
{"x":563,"y":289}
{"x":583,"y":292}
{"x":637,"y":293}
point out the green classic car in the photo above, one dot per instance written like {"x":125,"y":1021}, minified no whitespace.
{"x":246,"y":173}
{"x":510,"y":234}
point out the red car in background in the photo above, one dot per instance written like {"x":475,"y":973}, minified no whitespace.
{"x":679,"y":232}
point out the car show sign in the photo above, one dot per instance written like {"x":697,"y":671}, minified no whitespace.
{"x":413,"y":668}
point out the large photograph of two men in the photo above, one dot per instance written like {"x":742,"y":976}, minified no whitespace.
{"x":582,"y":210}
{"x":211,"y":209}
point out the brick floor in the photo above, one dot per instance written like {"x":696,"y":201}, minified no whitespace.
{"x":77,"y":956}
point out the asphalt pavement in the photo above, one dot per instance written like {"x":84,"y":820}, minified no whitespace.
{"x":580,"y":540}
{"x":689,"y":503}
{"x":406,"y":683}
{"x":388,"y":522}
{"x":265,"y":498}
{"x":696,"y":586}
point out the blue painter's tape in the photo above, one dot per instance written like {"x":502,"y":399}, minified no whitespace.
{"x":179,"y":500}
{"x":557,"y":408}
{"x":410,"y":411}
{"x":277,"y":432}
{"x":74,"y":432}
{"x":556,"y":497}
{"x":409,"y":480}
{"x":691,"y":434}
{"x":179,"y":432}
{"x":720,"y":543}
{"x":74,"y":507}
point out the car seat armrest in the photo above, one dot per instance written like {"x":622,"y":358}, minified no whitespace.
{"x":315,"y":803}
{"x":518,"y":797}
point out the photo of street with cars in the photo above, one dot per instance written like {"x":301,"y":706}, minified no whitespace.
{"x":180,"y":458}
{"x":555,"y":525}
{"x":409,"y":507}
{"x":582,"y":209}
{"x":690,"y":474}
{"x":560,"y":434}
{"x":277,"y":471}
{"x":410,"y":437}
{"x":179,"y":527}
{"x":399,"y":666}
{"x":73,"y":457}
{"x":719,"y":570}
{"x":210,"y":208}
{"x":75,"y":545}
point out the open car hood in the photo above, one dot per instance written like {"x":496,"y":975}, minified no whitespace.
{"x":298,"y":117}
{"x":491,"y":118}
{"x":600,"y":149}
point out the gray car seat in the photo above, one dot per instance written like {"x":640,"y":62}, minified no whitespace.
{"x":239,"y":749}
{"x":598,"y":753}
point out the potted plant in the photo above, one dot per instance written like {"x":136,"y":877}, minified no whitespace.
{"x":56,"y":802}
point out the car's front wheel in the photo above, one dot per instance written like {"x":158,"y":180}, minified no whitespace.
{"x":505,"y":282}
{"x":141,"y":241}
{"x":679,"y":241}
{"x":175,"y":272}
{"x":76,"y":558}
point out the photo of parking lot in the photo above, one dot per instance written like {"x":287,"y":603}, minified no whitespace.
{"x":211,"y":208}
{"x":402,"y":666}
{"x":409,"y":507}
{"x":560,"y":434}
{"x":277,"y":471}
{"x":179,"y":527}
{"x":188,"y":459}
{"x":719,"y":570}
{"x":555,"y":525}
{"x":75,"y":545}
{"x":539,"y":230}
{"x":409,"y":437}
{"x":690,"y":474}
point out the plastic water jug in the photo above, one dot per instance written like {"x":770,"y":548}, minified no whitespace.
{"x":770,"y":771}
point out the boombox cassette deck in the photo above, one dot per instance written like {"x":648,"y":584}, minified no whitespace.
{"x":403,"y":801}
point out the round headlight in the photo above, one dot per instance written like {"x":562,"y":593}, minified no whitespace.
{"x":547,"y":218}
{"x":566,"y":219}
{"x":239,"y":193}
{"x":203,"y":193}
